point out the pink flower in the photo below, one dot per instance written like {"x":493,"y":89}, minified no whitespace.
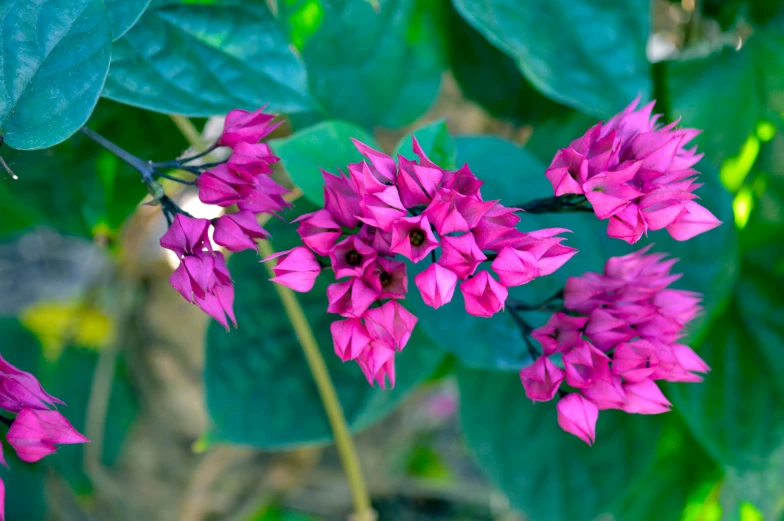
{"x":437,"y":285}
{"x":417,"y":184}
{"x":350,"y":298}
{"x":388,"y":278}
{"x":351,"y":257}
{"x":222,"y":186}
{"x":645,"y":397}
{"x":383,"y":167}
{"x":19,"y":390}
{"x":483,"y":295}
{"x":585,"y":365}
{"x":605,"y":330}
{"x":461,"y":255}
{"x":236,"y":231}
{"x":451,"y":211}
{"x":377,"y":362}
{"x":636,"y":173}
{"x":606,"y":394}
{"x":34,"y":434}
{"x":546,"y":248}
{"x":318,"y":231}
{"x":186,"y":235}
{"x":541,"y":379}
{"x":635,"y":361}
{"x":495,"y":226}
{"x":515,"y":267}
{"x":561,"y":332}
{"x":578,"y":416}
{"x":252,"y":159}
{"x":391,"y":323}
{"x":413,"y":238}
{"x":2,"y":494}
{"x":350,"y":338}
{"x":298,"y":269}
{"x":341,"y":199}
{"x":242,"y":126}
{"x":264,"y":195}
{"x":382,"y":209}
{"x":204,"y":280}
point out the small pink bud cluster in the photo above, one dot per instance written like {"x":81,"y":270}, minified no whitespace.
{"x":621,"y":335}
{"x":202,"y":277}
{"x":384,"y":211}
{"x":36,"y":429}
{"x":637,"y":174}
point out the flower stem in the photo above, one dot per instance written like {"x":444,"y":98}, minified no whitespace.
{"x":557,"y":204}
{"x":144,"y":168}
{"x":363,"y":510}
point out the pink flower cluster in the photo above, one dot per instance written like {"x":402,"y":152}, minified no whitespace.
{"x":637,"y":174}
{"x":244,"y":180}
{"x":621,"y":335}
{"x":36,"y":429}
{"x":384,"y":211}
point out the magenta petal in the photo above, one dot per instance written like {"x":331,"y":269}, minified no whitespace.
{"x":350,"y":338}
{"x":541,"y":379}
{"x":437,"y":285}
{"x":483,"y":295}
{"x":391,"y":323}
{"x":645,"y":397}
{"x":577,"y":415}
{"x":34,"y":434}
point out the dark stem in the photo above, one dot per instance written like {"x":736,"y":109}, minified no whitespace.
{"x":175,"y":179}
{"x":170,"y":209}
{"x":177,"y":163}
{"x":557,"y":204}
{"x":545,"y":305}
{"x":7,"y":421}
{"x":433,"y":255}
{"x":145,"y":168}
{"x":525,"y":331}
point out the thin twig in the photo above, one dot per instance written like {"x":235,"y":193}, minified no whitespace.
{"x":144,"y":167}
{"x":557,"y":204}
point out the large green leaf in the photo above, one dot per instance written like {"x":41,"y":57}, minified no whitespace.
{"x":54,"y":56}
{"x":202,"y":60}
{"x":71,"y":380}
{"x":547,"y":473}
{"x":435,"y":141}
{"x":123,"y":14}
{"x":370,"y":68}
{"x":727,"y":91}
{"x":588,"y":54}
{"x":79,"y":188}
{"x":490,"y":78}
{"x":326,"y":145}
{"x":259,"y":388}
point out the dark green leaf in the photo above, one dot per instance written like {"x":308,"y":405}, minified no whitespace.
{"x":123,"y":14}
{"x":71,"y":380}
{"x":79,"y":188}
{"x":202,"y":60}
{"x":371,"y":68}
{"x":435,"y":141}
{"x":259,"y":388}
{"x":54,"y":59}
{"x":326,"y":145}
{"x":588,"y":54}
{"x":490,"y":78}
{"x":547,"y":473}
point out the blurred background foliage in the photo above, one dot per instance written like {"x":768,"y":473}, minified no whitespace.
{"x":190,"y":422}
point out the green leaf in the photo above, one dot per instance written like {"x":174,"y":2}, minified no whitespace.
{"x":79,"y":188}
{"x":370,"y":68}
{"x":201,"y":60}
{"x":490,"y":78}
{"x":435,"y":141}
{"x":259,"y":388}
{"x":71,"y":380}
{"x":705,"y":91}
{"x":326,"y":145}
{"x":123,"y":14}
{"x":512,"y":175}
{"x":547,"y":473}
{"x":737,"y":414}
{"x":681,"y":475}
{"x":54,"y":59}
{"x":588,"y":54}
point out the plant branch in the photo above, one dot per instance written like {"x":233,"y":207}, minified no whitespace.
{"x":525,"y":330}
{"x":145,"y":168}
{"x":557,"y":204}
{"x":363,"y":510}
{"x":7,"y":421}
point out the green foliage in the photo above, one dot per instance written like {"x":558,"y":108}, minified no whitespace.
{"x":370,"y":68}
{"x":588,"y":54}
{"x":215,"y":58}
{"x":123,"y":14}
{"x":259,"y":389}
{"x":49,"y":86}
{"x":547,"y":473}
{"x":435,"y":141}
{"x":79,"y":188}
{"x":325,"y":146}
